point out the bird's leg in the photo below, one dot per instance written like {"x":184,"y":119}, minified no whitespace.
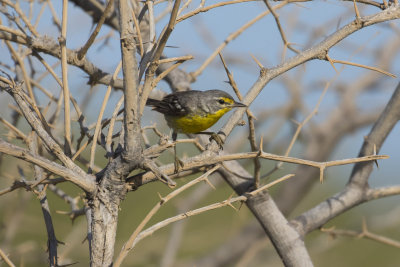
{"x":215,"y":137}
{"x":178,"y":164}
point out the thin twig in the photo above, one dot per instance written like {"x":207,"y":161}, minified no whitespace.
{"x":21,"y":63}
{"x":13,"y":31}
{"x":307,"y":119}
{"x":205,"y":9}
{"x":162,"y":42}
{"x":152,"y":25}
{"x":364,"y":233}
{"x":251,"y":118}
{"x":23,"y":17}
{"x":231,"y":37}
{"x":14,"y":129}
{"x":228,"y":202}
{"x":139,"y":34}
{"x":167,"y":71}
{"x":55,"y":76}
{"x":64,"y":67}
{"x":42,"y":195}
{"x":54,"y":14}
{"x":158,"y":50}
{"x":6,"y":259}
{"x":42,"y":9}
{"x":82,"y":52}
{"x":129,"y":244}
{"x":199,"y":161}
{"x":364,"y":66}
{"x":149,"y":164}
{"x":100,"y":117}
{"x":111,"y":127}
{"x":278,"y":24}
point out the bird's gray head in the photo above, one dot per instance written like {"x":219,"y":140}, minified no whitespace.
{"x":216,"y":100}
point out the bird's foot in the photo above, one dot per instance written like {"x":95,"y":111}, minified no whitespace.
{"x":218,"y":139}
{"x":178,"y":164}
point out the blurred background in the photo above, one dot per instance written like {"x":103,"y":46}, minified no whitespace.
{"x":354,"y":100}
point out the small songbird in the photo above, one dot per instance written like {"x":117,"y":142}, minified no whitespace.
{"x":194,"y":111}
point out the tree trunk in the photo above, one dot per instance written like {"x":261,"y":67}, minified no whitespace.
{"x":104,"y":217}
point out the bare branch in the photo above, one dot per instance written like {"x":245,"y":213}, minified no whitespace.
{"x":364,"y":233}
{"x":86,"y":182}
{"x":355,"y":191}
{"x":6,"y":259}
{"x":317,"y":51}
{"x":100,"y":117}
{"x":82,"y":52}
{"x":203,"y":160}
{"x":131,"y":83}
{"x":132,"y":239}
{"x":231,"y":37}
{"x":64,"y":66}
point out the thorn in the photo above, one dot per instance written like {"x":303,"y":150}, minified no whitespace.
{"x":257,"y":61}
{"x":376,"y":163}
{"x":62,"y":212}
{"x":223,"y":63}
{"x":364,"y":226}
{"x":356,"y":10}
{"x":261,"y":143}
{"x":295,"y":122}
{"x":330,"y":61}
{"x":233,"y":207}
{"x":374,"y":153}
{"x":329,"y":229}
{"x":228,"y":202}
{"x":209,"y":183}
{"x":321,"y":174}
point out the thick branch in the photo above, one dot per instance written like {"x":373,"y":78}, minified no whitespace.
{"x":318,"y":51}
{"x":131,"y":92}
{"x":86,"y":182}
{"x":44,"y":203}
{"x":357,"y":190}
{"x":49,"y":46}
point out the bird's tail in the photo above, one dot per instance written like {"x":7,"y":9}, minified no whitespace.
{"x":152,"y":102}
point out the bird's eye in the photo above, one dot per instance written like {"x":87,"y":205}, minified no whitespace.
{"x":221,"y":101}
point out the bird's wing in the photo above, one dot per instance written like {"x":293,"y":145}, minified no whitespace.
{"x":169,"y":105}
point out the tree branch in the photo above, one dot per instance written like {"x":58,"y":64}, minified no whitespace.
{"x":356,"y":191}
{"x":86,"y":182}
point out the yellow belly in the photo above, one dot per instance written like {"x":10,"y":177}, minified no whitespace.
{"x":194,"y":124}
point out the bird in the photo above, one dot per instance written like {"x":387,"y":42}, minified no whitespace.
{"x":192,"y":112}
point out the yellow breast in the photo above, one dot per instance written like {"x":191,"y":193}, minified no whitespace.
{"x":196,"y":123}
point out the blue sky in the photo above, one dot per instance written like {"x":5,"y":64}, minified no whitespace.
{"x":261,"y":40}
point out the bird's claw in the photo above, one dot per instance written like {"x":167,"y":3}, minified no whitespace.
{"x":217,"y":139}
{"x":178,"y":164}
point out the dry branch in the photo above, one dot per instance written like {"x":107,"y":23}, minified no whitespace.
{"x":356,"y":190}
{"x":86,"y":182}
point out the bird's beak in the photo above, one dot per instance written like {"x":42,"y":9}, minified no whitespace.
{"x":238,"y":105}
